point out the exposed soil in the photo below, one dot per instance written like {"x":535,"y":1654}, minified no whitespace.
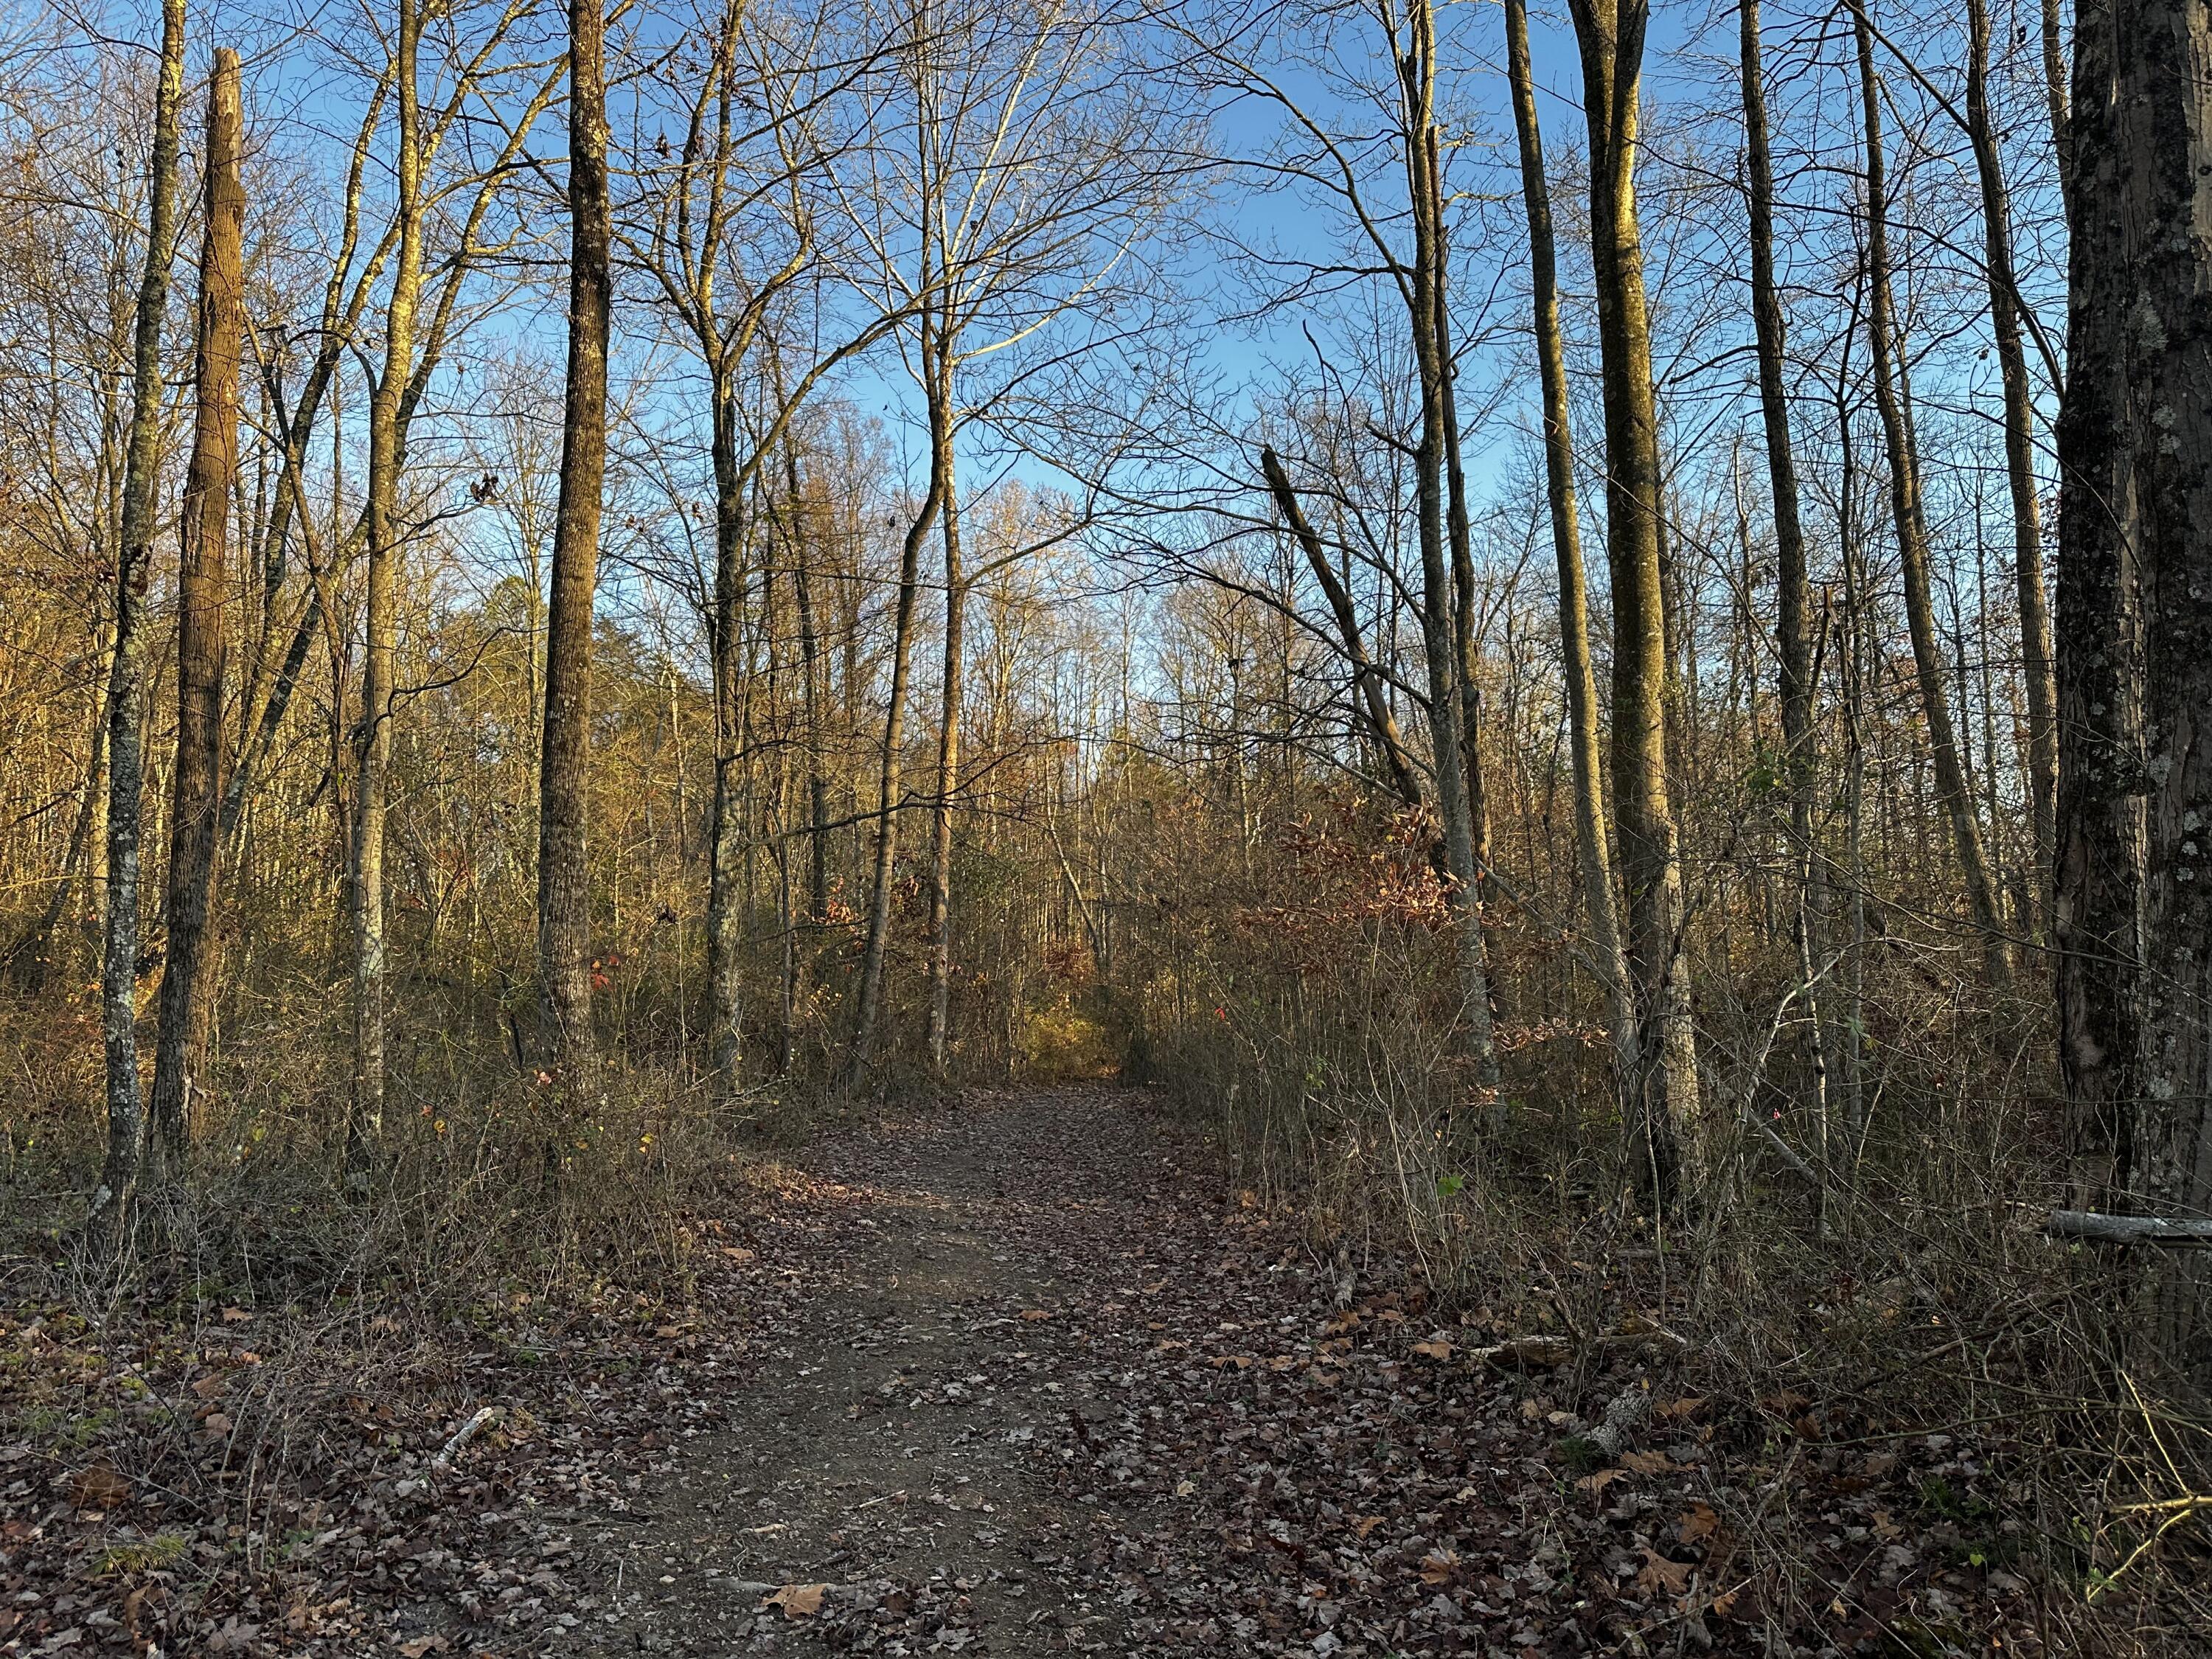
{"x":1025,"y":1376}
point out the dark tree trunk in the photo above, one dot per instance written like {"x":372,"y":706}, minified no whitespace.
{"x":564,"y":887}
{"x":2134,"y":909}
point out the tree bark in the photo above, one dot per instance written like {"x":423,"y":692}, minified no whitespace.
{"x":373,"y":739}
{"x":195,"y":779}
{"x":1427,"y":296}
{"x":868,"y":1005}
{"x":1593,"y":851}
{"x":1793,"y":622}
{"x":725,"y":847}
{"x":948,"y":744}
{"x":1910,"y":523}
{"x":2134,"y":880}
{"x":2041,"y":760}
{"x":1610,"y":35}
{"x":564,"y":888}
{"x":113,"y":1199}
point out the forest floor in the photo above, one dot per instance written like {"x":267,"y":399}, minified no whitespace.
{"x":1026,"y":1376}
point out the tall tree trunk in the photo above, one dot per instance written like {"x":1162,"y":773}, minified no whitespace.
{"x":1427,"y":298}
{"x":112,"y":1199}
{"x":725,"y":847}
{"x":1593,"y":851}
{"x":868,"y":1008}
{"x":564,"y":886}
{"x":2054,"y":92}
{"x":195,"y":780}
{"x":2042,"y":758}
{"x":1793,"y":622}
{"x":1610,"y":35}
{"x":1911,"y":527}
{"x":2134,"y":547}
{"x":372,"y":741}
{"x":948,"y":743}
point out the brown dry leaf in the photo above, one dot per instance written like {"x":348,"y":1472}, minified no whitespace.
{"x":1878,"y":1464}
{"x":423,"y":1644}
{"x":1648,"y":1462}
{"x":1682,"y":1407}
{"x":1438,"y":1349}
{"x":1658,"y":1575}
{"x":1437,"y":1569}
{"x":1885,"y":1528}
{"x":739,"y":1253}
{"x":210,"y":1386}
{"x":1594,"y":1484}
{"x":1699,"y":1520}
{"x":1034,"y":1314}
{"x":797,"y":1601}
{"x":1724,"y":1604}
{"x":1365,"y":1527}
{"x":236,"y":1316}
{"x":100,"y":1487}
{"x":216,"y":1423}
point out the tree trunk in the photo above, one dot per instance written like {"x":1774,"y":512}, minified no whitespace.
{"x":1793,"y":622}
{"x":1426,"y":301}
{"x":564,"y":886}
{"x":1593,"y":851}
{"x":195,"y":779}
{"x":725,"y":847}
{"x":1911,"y":528}
{"x":372,"y":741}
{"x":948,"y":746}
{"x":2041,"y":760}
{"x":2135,"y":881}
{"x":868,"y":1008}
{"x":1610,"y":36}
{"x":113,"y":1198}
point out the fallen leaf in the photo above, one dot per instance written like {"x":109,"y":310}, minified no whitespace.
{"x":1683,"y":1408}
{"x":235,"y":1316}
{"x":1035,"y":1314}
{"x":1647,"y":1462}
{"x":1658,"y":1574}
{"x":423,"y":1644}
{"x":1437,"y":1569}
{"x":797,"y":1601}
{"x":1700,"y":1521}
{"x":100,"y":1487}
{"x":1365,"y":1527}
{"x":1438,"y":1349}
{"x":739,"y":1253}
{"x":1594,"y":1483}
{"x":1884,"y":1528}
{"x":210,"y":1386}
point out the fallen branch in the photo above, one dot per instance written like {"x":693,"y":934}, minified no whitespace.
{"x":2125,"y":1228}
{"x":468,"y":1431}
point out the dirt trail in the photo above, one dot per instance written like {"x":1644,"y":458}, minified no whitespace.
{"x":936,"y":1293}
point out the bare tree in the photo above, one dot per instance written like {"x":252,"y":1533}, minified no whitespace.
{"x":112,"y":1200}
{"x":196,"y":809}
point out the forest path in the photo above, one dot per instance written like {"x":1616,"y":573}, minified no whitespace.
{"x":937,"y":1303}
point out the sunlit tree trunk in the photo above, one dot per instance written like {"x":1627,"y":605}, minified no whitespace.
{"x":372,"y":757}
{"x":1610,"y":35}
{"x":868,"y":1006}
{"x":727,"y":841}
{"x":1428,"y":287}
{"x":112,"y":1199}
{"x":564,"y":884}
{"x":195,"y":780}
{"x":1593,"y":848}
{"x":948,"y":744}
